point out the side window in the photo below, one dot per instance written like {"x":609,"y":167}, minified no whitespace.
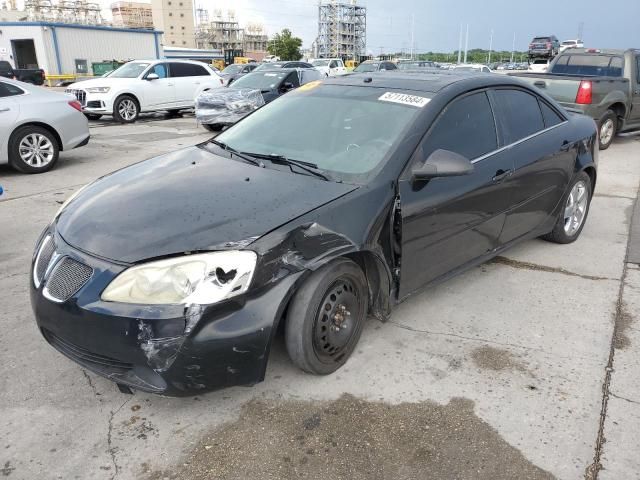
{"x":340,"y":64}
{"x":549,"y":115}
{"x":466,"y":127}
{"x":160,"y":69}
{"x":8,"y":90}
{"x":199,"y":71}
{"x":391,"y":66}
{"x":187,"y":70}
{"x":520,"y":114}
{"x":333,"y":64}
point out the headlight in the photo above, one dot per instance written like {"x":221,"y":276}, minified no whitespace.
{"x":98,"y":89}
{"x":202,"y":278}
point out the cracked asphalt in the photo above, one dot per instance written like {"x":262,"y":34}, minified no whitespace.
{"x":525,"y":367}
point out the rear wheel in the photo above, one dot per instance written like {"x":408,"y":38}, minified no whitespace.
{"x":326,"y":317}
{"x":126,"y":109}
{"x":33,"y":149}
{"x":573,"y":216}
{"x":215,"y":127}
{"x":607,"y":129}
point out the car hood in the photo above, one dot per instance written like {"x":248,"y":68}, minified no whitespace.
{"x":100,"y":82}
{"x":190,"y":200}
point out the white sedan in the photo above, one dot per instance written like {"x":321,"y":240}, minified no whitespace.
{"x":36,"y":124}
{"x":145,"y":86}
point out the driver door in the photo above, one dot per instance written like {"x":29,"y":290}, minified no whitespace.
{"x":9,"y":109}
{"x":159,"y":93}
{"x":448,"y":222}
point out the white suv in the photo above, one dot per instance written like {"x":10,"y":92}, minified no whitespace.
{"x":145,"y":86}
{"x":330,"y":67}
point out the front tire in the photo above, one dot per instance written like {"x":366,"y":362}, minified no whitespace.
{"x":607,"y":129}
{"x":126,"y":109}
{"x":33,"y":150}
{"x":573,"y":214}
{"x":326,"y":317}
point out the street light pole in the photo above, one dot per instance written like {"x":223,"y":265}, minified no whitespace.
{"x":513,"y":46}
{"x":466,"y":44}
{"x":490,"y":46}
{"x":460,"y":45}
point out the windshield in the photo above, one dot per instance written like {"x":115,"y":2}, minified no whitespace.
{"x":320,"y":63}
{"x":260,"y":80}
{"x":232,"y":69}
{"x":130,"y":70}
{"x":269,"y":66}
{"x":589,"y":65}
{"x":367,"y":67}
{"x":345,"y":131}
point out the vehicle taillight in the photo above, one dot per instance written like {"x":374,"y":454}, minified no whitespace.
{"x":584,"y":95}
{"x":75,"y":104}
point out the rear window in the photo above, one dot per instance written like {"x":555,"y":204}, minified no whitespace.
{"x":520,"y":114}
{"x":8,"y":90}
{"x":589,"y":65}
{"x":541,"y":39}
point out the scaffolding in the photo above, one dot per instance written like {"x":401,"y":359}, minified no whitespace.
{"x":225,"y":33}
{"x":132,"y":15}
{"x":64,"y":11}
{"x":342,"y":30}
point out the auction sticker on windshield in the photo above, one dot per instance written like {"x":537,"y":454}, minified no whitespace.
{"x":404,"y":99}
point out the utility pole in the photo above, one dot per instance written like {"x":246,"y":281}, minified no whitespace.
{"x":413,"y":20}
{"x":460,"y":45}
{"x":466,"y":44}
{"x":513,"y":46}
{"x":490,"y":46}
{"x":580,"y":30}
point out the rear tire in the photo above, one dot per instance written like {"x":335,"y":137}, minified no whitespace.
{"x":575,"y":203}
{"x":33,"y":149}
{"x":607,"y":129}
{"x":216,"y":127}
{"x":326,"y":317}
{"x":126,"y":109}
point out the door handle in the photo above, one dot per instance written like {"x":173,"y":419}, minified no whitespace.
{"x":4,"y":110}
{"x":501,"y":175}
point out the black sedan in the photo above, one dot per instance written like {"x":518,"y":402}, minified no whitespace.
{"x":331,"y":204}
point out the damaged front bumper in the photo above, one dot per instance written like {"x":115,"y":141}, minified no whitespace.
{"x":171,"y":350}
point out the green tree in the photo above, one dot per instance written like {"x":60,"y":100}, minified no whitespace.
{"x":285,"y":46}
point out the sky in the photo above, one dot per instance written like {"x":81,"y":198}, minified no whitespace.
{"x":612,"y":24}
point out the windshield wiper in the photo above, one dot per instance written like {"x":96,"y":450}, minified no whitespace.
{"x":312,"y":168}
{"x":232,"y":151}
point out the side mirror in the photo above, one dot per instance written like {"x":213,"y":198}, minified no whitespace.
{"x":286,"y":86}
{"x":442,"y":163}
{"x":152,"y":76}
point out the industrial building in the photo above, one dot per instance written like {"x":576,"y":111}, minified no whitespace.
{"x":175,"y":19}
{"x":342,"y":30}
{"x":131,"y":15}
{"x":70,"y":49}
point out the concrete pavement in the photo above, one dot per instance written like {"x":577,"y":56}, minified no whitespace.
{"x":520,"y":368}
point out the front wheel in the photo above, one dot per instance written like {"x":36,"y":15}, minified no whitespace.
{"x":326,"y":317}
{"x":607,"y":129}
{"x":126,"y":109}
{"x":573,"y":216}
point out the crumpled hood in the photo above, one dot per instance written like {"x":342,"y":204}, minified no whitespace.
{"x":189,"y":200}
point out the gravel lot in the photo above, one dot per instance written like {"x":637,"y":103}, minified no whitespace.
{"x":526,"y":367}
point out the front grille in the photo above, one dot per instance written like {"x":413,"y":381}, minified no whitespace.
{"x":47,"y":249}
{"x":81,"y":95}
{"x":84,"y":356}
{"x":67,"y":278}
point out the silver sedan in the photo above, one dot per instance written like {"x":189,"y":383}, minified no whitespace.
{"x":36,"y":124}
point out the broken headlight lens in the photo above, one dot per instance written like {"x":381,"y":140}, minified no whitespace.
{"x":202,"y":278}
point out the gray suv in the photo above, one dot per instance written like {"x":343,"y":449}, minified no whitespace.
{"x":544,"y":46}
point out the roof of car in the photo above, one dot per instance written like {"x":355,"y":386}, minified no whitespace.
{"x":425,"y":81}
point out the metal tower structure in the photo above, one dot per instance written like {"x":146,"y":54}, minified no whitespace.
{"x":342,"y":30}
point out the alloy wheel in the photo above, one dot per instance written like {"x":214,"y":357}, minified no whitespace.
{"x":127,"y":109}
{"x":606,"y":131}
{"x":36,"y":150}
{"x":575,"y":209}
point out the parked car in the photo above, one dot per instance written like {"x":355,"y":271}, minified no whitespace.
{"x":235,"y":71}
{"x":375,"y":66}
{"x":571,"y":44}
{"x":603,"y":84}
{"x":36,"y":125}
{"x":544,"y":46}
{"x":272,"y":65}
{"x":472,"y":67}
{"x":145,"y":86}
{"x":330,"y":67}
{"x":310,"y":214}
{"x":32,"y":75}
{"x":271,"y":59}
{"x":226,"y":106}
{"x":539,"y":65}
{"x":415,"y":64}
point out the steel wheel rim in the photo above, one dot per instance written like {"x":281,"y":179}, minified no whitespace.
{"x":337,"y":321}
{"x":575,"y":209}
{"x":127,"y":109}
{"x":36,"y":150}
{"x":606,"y":131}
